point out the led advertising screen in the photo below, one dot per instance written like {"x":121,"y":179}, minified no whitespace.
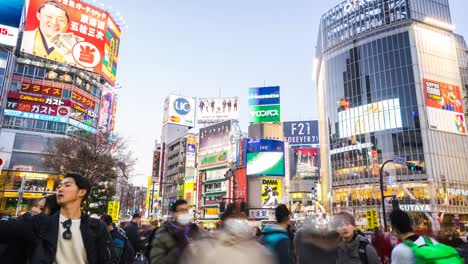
{"x":265,"y":114}
{"x":179,"y":110}
{"x":10,"y":17}
{"x":264,"y":96}
{"x":306,"y":163}
{"x":217,"y":136}
{"x":271,"y":192}
{"x":265,"y":157}
{"x":74,"y":33}
{"x":368,"y":118}
{"x":301,"y":132}
{"x":213,"y":110}
{"x":444,"y":107}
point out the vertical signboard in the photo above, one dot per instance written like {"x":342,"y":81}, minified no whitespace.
{"x":113,"y":209}
{"x":240,"y":190}
{"x":301,"y":132}
{"x":191,"y":151}
{"x":264,"y":104}
{"x":271,"y":192}
{"x":444,"y":107}
{"x":372,"y":219}
{"x":10,"y":16}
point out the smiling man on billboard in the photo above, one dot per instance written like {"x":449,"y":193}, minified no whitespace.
{"x":53,"y":19}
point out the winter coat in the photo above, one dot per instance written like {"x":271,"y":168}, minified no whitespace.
{"x":225,"y":248}
{"x":41,"y":232}
{"x":169,"y":242}
{"x":312,"y":244}
{"x":348,"y":253}
{"x":276,"y":239}
{"x":133,"y":236}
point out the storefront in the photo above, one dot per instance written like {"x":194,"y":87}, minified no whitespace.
{"x":35,"y":186}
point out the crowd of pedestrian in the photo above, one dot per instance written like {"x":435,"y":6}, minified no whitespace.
{"x":55,"y":230}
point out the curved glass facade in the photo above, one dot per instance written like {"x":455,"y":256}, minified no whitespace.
{"x":373,"y":110}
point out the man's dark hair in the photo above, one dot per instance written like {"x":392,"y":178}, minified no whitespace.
{"x":82,"y":183}
{"x":282,"y":213}
{"x":344,"y":217}
{"x":137,"y":215}
{"x":401,"y":221}
{"x":176,"y":204}
{"x":106,"y":219}
{"x":57,"y":5}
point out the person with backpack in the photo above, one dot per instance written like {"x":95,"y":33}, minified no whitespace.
{"x":68,"y":236}
{"x":416,"y":249}
{"x":352,"y":247}
{"x":123,"y":250}
{"x":276,"y":237}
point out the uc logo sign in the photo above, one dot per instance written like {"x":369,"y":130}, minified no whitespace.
{"x":182,"y":106}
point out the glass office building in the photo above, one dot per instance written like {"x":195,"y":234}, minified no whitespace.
{"x":391,"y":78}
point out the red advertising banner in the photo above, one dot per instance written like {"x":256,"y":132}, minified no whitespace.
{"x":443,"y":96}
{"x":37,"y":108}
{"x":39,"y":99}
{"x":41,"y":89}
{"x":240,"y":192}
{"x":82,"y":99}
{"x":74,"y":33}
{"x":200,"y":190}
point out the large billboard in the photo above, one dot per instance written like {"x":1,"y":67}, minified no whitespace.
{"x":107,"y":110}
{"x":301,"y":132}
{"x":179,"y":110}
{"x":10,"y":17}
{"x":265,"y":114}
{"x":264,"y":96}
{"x":217,"y":136}
{"x":369,"y":118}
{"x":265,"y":157}
{"x":306,"y":163}
{"x":271,"y":192}
{"x":74,"y":33}
{"x":213,"y":110}
{"x":444,"y":107}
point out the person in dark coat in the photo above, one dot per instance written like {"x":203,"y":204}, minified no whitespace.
{"x":133,"y":233}
{"x":68,"y":236}
{"x":276,"y":236}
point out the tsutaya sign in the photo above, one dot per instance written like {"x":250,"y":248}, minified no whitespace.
{"x":351,"y":5}
{"x":426,"y":208}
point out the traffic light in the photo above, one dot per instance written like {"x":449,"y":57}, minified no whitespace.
{"x":413,"y":167}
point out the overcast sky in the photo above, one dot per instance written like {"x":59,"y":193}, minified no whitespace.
{"x":203,"y":48}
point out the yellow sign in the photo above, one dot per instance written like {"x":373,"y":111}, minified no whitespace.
{"x":113,"y":209}
{"x":212,"y":211}
{"x":191,"y":140}
{"x":148,"y":193}
{"x":372,"y":219}
{"x":188,"y":192}
{"x":271,"y":192}
{"x":26,"y":195}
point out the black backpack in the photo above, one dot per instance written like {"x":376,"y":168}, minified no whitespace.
{"x":122,"y":247}
{"x":148,"y":244}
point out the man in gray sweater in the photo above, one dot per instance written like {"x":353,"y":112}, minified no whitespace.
{"x":353,"y":248}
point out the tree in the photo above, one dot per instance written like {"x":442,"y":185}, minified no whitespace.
{"x":105,"y":163}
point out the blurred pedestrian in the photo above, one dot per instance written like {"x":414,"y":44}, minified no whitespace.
{"x":61,"y":238}
{"x":171,"y":239}
{"x":353,"y":248}
{"x":133,"y":233}
{"x":312,"y":243}
{"x":382,"y":245}
{"x":416,"y":249}
{"x":232,"y":243}
{"x":276,"y":237}
{"x":123,"y":250}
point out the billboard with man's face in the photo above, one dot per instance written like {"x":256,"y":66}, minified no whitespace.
{"x":73,"y":33}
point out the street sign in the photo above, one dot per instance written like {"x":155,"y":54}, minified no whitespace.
{"x":372,"y":219}
{"x":399,"y":160}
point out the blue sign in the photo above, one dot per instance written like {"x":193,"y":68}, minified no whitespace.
{"x":182,"y":106}
{"x":301,"y":132}
{"x":82,"y":126}
{"x":15,"y":113}
{"x":264,"y":96}
{"x":264,"y":145}
{"x":10,"y":12}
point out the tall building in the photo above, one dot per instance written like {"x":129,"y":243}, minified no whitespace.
{"x":52,"y":87}
{"x":391,"y":75}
